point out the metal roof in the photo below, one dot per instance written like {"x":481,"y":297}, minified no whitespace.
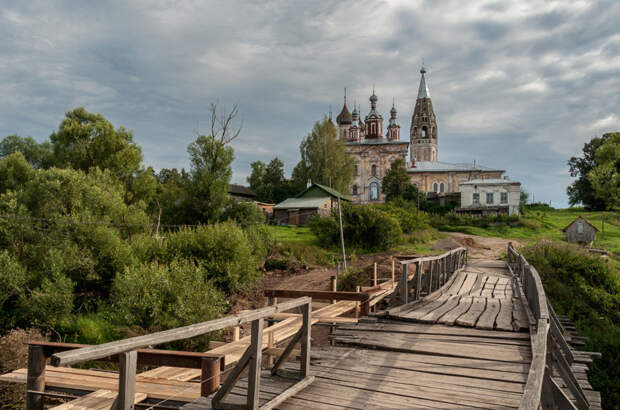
{"x":328,"y":190}
{"x":439,"y":166}
{"x":423,"y":90}
{"x":490,"y":181}
{"x":301,"y":203}
{"x":376,"y":141}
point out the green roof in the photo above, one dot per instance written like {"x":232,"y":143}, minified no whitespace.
{"x":301,"y":203}
{"x":329,"y":191}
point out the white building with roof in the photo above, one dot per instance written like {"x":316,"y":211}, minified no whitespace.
{"x":490,"y":197}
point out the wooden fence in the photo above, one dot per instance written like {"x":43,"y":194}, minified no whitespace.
{"x":550,"y":351}
{"x":131,"y":352}
{"x":428,"y":274}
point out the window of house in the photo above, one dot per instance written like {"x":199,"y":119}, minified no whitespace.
{"x":503,"y":197}
{"x":580,"y":227}
{"x":441,"y":187}
{"x":373,"y":170}
{"x":354,"y":189}
{"x":476,"y":198}
{"x":489,"y":197}
{"x":374,"y":191}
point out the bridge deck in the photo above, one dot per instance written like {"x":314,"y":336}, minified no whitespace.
{"x":483,"y":295}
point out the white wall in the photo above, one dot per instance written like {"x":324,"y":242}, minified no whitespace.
{"x":513,"y":190}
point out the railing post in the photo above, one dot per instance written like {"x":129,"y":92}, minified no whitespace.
{"x":36,"y":377}
{"x":127,"y":363}
{"x":404,"y":283}
{"x":374,"y":276}
{"x":210,"y":375}
{"x":418,"y":285}
{"x":256,"y":348}
{"x":306,"y":312}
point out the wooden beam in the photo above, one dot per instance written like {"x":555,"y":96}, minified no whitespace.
{"x":185,"y":332}
{"x":256,"y":351}
{"x":306,"y":329}
{"x":126,"y":381}
{"x":210,"y":375}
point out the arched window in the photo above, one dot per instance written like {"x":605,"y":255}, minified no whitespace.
{"x":441,"y":187}
{"x":373,"y":170}
{"x":373,"y":191}
{"x":373,"y":128}
{"x":423,"y":132}
{"x":435,"y":187}
{"x":354,"y":189}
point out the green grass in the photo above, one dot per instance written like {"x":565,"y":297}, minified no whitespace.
{"x":549,"y":224}
{"x":294,"y":234}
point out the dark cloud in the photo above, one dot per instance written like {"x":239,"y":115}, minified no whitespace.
{"x":516,"y":85}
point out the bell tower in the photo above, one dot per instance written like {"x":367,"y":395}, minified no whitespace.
{"x":423,"y":125}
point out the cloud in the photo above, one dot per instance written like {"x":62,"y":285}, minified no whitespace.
{"x":521,"y":85}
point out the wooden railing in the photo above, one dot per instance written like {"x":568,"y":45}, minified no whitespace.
{"x":427,"y":275}
{"x":550,"y":351}
{"x":130,"y":352}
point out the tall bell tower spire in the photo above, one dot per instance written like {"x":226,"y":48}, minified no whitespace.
{"x":423,"y":125}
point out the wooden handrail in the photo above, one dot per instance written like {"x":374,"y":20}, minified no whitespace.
{"x":185,"y":332}
{"x":548,"y":345}
{"x":433,"y":258}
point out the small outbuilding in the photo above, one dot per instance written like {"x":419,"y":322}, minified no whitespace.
{"x":316,"y":200}
{"x":580,"y":231}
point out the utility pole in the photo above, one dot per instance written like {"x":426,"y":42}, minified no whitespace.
{"x":418,"y":205}
{"x":344,"y":256}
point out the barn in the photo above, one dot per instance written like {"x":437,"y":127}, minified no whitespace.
{"x":580,"y":231}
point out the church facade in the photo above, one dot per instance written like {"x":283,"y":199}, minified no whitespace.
{"x":374,"y":152}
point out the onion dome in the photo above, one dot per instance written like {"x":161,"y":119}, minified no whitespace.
{"x":373,"y":98}
{"x":345,"y":116}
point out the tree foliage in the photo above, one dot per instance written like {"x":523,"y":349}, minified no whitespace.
{"x":605,"y":176}
{"x":396,"y":183}
{"x":269,"y":183}
{"x":582,"y":189}
{"x":324,"y":159}
{"x":39,"y":155}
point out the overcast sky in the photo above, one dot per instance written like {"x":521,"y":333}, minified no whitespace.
{"x":518,"y":85}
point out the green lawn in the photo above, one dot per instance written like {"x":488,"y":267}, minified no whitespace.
{"x":294,"y":234}
{"x":549,"y":225}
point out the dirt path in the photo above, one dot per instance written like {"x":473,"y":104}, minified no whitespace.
{"x":480,"y":247}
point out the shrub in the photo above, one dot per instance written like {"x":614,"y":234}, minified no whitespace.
{"x":51,"y":304}
{"x":406,"y":214}
{"x":262,"y":240}
{"x":349,"y":281}
{"x":244,"y":213}
{"x":12,"y":282}
{"x":162,"y":296}
{"x":363,"y":225}
{"x":585,"y":288}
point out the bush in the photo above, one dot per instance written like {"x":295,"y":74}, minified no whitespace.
{"x":244,"y":213}
{"x":364,"y":226}
{"x":585,"y":288}
{"x":157,"y":296}
{"x":349,"y":281}
{"x":406,"y":214}
{"x":12,"y":282}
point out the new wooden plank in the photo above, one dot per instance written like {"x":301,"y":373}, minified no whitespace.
{"x":463,"y":307}
{"x":487,"y":319}
{"x":504,"y":317}
{"x":98,"y":400}
{"x":471,"y":316}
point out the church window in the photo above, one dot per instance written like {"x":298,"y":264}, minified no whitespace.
{"x":423,"y":132}
{"x":476,"y":198}
{"x":503,"y":198}
{"x":489,"y":197}
{"x":441,"y":187}
{"x":425,"y":119}
{"x":356,"y":170}
{"x":373,"y":128}
{"x":373,"y":170}
{"x":374,"y":191}
{"x":435,"y":187}
{"x":354,"y":189}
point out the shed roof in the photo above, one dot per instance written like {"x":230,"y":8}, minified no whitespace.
{"x":301,"y":203}
{"x":490,"y":181}
{"x":240,"y":190}
{"x":329,"y":191}
{"x":583,"y":219}
{"x":440,"y":166}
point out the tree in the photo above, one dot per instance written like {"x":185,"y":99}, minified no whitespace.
{"x":269,"y":183}
{"x":39,"y":155}
{"x":581,"y":190}
{"x":605,"y":176}
{"x":324,"y":159}
{"x":211,"y":157}
{"x":396,"y":182}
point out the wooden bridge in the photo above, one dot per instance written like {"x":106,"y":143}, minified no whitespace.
{"x":448,"y":333}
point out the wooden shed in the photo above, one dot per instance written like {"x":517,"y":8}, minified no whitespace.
{"x":581,"y":231}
